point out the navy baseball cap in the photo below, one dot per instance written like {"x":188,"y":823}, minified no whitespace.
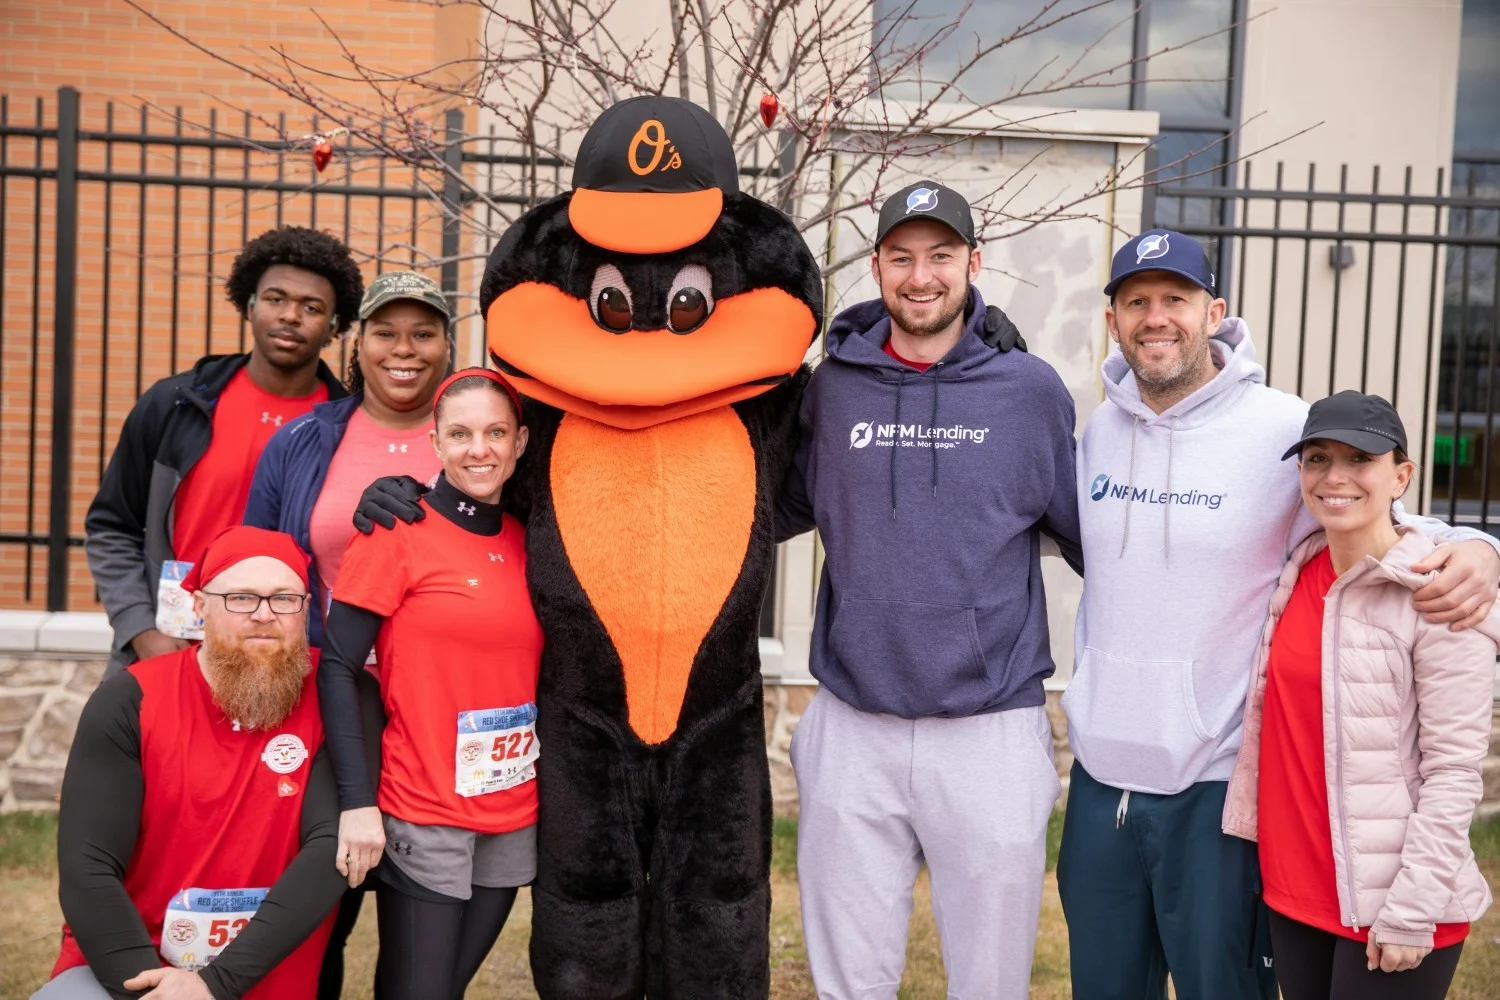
{"x":1162,"y":250}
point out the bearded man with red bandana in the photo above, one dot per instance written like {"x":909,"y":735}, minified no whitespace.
{"x":199,"y":814}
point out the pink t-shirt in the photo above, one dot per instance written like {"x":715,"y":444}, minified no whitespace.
{"x":366,"y":453}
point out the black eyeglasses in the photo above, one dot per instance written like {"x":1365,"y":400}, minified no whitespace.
{"x":248,"y":604}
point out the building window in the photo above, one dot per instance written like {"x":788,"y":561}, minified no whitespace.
{"x":1466,"y":452}
{"x":1195,"y":87}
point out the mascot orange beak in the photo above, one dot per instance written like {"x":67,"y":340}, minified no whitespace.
{"x":751,"y":342}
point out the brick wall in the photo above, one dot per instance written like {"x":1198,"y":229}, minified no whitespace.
{"x":147,"y":292}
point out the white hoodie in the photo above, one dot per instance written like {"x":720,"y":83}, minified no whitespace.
{"x":1188,"y":517}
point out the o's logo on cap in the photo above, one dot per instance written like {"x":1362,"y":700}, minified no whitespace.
{"x":654,"y":134}
{"x":921,"y":200}
{"x":1152,"y":247}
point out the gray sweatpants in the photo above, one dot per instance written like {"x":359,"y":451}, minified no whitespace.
{"x":879,"y":794}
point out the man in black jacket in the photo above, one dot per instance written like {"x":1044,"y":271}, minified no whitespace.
{"x":182,"y":469}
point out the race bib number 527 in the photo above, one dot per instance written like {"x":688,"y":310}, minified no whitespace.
{"x":497,"y":749}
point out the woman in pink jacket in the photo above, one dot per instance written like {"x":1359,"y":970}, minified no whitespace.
{"x":1364,"y":732}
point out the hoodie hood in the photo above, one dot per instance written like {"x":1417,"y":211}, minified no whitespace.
{"x":1234,"y":357}
{"x":858,"y":335}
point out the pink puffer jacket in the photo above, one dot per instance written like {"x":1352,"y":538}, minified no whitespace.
{"x":1406,"y":724}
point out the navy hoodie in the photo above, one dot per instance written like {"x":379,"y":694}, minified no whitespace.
{"x":930,"y":491}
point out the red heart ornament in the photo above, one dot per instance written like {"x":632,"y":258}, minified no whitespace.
{"x":322,"y":153}
{"x":769,"y":105}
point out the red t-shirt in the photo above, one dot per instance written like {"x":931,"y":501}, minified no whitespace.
{"x":222,"y":811}
{"x":1296,"y":839}
{"x":212,"y":496}
{"x":460,"y":640}
{"x":920,"y":366}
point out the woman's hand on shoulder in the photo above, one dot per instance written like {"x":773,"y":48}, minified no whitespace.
{"x":361,"y":843}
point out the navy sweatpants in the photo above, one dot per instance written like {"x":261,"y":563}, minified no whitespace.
{"x":1161,"y":890}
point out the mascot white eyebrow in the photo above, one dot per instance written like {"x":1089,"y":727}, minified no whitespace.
{"x":660,"y":316}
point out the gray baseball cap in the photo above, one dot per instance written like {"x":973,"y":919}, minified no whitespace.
{"x":396,"y":285}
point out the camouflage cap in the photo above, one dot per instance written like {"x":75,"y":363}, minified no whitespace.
{"x":396,"y":285}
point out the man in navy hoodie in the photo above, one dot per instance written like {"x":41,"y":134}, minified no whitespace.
{"x":934,"y":456}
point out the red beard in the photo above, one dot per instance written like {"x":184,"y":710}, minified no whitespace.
{"x":258,"y":685}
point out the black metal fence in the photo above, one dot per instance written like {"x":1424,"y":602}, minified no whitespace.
{"x":116,"y":231}
{"x":1380,"y":285}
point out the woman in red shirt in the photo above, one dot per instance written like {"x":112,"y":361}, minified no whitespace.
{"x":443,"y":602}
{"x":1364,"y":730}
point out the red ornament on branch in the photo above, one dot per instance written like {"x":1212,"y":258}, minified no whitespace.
{"x":322,"y":153}
{"x":769,"y":105}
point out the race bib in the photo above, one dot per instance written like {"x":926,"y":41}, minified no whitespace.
{"x":200,"y":923}
{"x":174,"y":606}
{"x":497,"y":749}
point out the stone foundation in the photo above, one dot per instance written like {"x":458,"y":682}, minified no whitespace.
{"x":41,"y":696}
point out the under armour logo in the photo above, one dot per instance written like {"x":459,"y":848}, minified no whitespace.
{"x":466,"y":508}
{"x":266,"y":418}
{"x":497,"y":557}
{"x":473,"y":581}
{"x":397,"y":447}
{"x":401,"y":848}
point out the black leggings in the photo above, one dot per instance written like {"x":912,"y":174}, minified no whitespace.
{"x":331,"y":977}
{"x":430,"y":951}
{"x":1312,"y":964}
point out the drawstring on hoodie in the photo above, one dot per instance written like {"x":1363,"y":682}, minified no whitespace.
{"x":900,"y":384}
{"x":1135,"y":423}
{"x":1123,"y":808}
{"x":936,"y":381}
{"x":1167,"y":513}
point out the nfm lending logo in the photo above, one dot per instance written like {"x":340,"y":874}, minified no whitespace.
{"x":865,"y":433}
{"x":1104,"y":488}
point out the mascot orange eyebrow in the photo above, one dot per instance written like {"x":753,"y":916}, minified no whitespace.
{"x":661,"y":317}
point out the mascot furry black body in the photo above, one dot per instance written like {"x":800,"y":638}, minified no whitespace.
{"x":656,"y":318}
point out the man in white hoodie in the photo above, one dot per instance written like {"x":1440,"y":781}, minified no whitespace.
{"x":1188,"y":515}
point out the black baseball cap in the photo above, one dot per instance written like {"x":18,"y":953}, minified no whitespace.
{"x":927,"y":200}
{"x":651,"y":176}
{"x":1368,"y":423}
{"x":1162,"y":250}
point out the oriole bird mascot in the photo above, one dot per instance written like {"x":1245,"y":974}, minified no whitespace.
{"x":659,"y":317}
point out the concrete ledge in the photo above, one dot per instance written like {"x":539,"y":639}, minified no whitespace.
{"x":59,"y":632}
{"x":18,"y":630}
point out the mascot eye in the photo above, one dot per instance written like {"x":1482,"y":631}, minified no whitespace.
{"x":609,"y":299}
{"x":691,"y":299}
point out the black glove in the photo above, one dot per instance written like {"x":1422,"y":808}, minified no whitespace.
{"x":1000,"y":332}
{"x":386,"y":499}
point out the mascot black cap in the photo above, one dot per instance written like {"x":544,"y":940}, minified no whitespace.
{"x":651,"y":176}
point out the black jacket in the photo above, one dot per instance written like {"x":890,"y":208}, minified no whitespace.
{"x":128,"y":528}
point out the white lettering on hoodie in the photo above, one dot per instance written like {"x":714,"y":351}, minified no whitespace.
{"x":1187,"y":518}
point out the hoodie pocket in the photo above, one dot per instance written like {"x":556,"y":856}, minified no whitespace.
{"x":909,"y":658}
{"x":1135,"y":723}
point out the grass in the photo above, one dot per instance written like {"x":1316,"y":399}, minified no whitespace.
{"x":29,"y":919}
